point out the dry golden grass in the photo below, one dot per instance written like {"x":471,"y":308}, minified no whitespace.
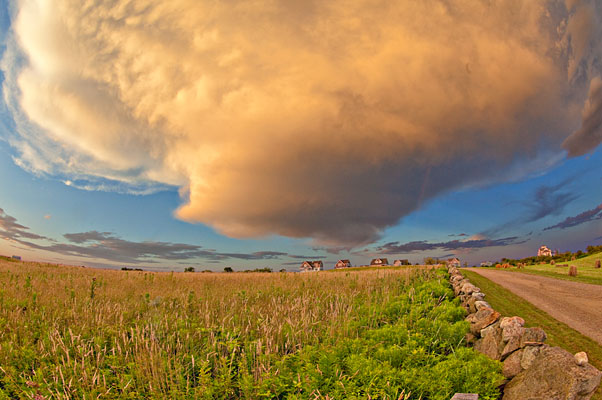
{"x":95,"y":331}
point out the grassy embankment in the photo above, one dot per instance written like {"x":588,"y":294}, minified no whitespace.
{"x":559,"y":334}
{"x":586,"y":271}
{"x":68,"y":332}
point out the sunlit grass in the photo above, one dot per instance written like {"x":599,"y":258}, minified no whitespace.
{"x":77,"y":332}
{"x":586,"y":271}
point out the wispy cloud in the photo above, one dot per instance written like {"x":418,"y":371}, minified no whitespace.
{"x":549,"y":200}
{"x":11,"y":230}
{"x":585,"y":216}
{"x":417,"y":246}
{"x":107,"y":246}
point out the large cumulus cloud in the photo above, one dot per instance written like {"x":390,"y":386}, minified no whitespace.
{"x":330,"y":120}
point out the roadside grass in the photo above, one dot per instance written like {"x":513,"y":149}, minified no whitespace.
{"x":586,"y":271}
{"x":559,"y":334}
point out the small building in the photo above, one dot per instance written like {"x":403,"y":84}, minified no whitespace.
{"x":544,"y":252}
{"x":309,"y":266}
{"x":454,"y":262}
{"x":486,"y":264}
{"x":379,"y":261}
{"x":16,"y":258}
{"x":399,"y":263}
{"x":342,"y":264}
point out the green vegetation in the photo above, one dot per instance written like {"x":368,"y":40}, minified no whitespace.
{"x":586,"y":271}
{"x":69,"y":332}
{"x":558,"y":258}
{"x":559,"y":334}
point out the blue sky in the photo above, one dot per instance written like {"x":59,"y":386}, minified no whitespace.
{"x":106,"y":169}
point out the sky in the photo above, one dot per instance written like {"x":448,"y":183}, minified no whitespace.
{"x":261,"y":133}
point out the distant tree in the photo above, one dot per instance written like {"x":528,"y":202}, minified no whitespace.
{"x":429,"y":261}
{"x":283,"y":270}
{"x":228,"y":269}
{"x":189,"y":269}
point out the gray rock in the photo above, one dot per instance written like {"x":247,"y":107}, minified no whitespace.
{"x":529,"y":355}
{"x":512,"y":364}
{"x":512,"y":328}
{"x":581,"y":358}
{"x":511,"y":346}
{"x":489,"y":344}
{"x":470,"y":305}
{"x":478,"y":295}
{"x":533,"y":337}
{"x":465,"y":396}
{"x":492,"y":329}
{"x":554,"y":375}
{"x":469,"y":288}
{"x":480,"y":304}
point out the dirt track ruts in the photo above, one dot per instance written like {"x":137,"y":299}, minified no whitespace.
{"x":579,"y":305}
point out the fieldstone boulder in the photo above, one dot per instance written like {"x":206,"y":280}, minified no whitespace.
{"x":469,"y":288}
{"x":481,"y":319}
{"x":533,"y":337}
{"x":478,"y":295}
{"x":511,"y":327}
{"x":554,"y":374}
{"x":529,"y":355}
{"x":480,"y":304}
{"x":512,"y":332}
{"x":489,"y":344}
{"x":581,"y":358}
{"x":470,"y":305}
{"x":512,"y":365}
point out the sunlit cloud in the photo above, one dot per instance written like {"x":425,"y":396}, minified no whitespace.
{"x":328,"y":120}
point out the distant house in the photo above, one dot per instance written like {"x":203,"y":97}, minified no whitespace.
{"x":454,"y":262}
{"x":544,"y":252}
{"x":486,"y":264}
{"x":379,"y":261}
{"x":16,"y":258}
{"x":309,"y":266}
{"x":399,"y":263}
{"x":342,"y":264}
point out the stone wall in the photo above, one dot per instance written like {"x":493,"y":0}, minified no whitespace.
{"x":533,"y":370}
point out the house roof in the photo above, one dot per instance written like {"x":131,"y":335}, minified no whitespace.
{"x":344,"y":261}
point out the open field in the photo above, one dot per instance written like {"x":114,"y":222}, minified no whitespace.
{"x":68,"y":332}
{"x":587,"y":272}
{"x":559,"y":334}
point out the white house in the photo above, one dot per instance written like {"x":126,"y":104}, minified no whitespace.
{"x":544,"y":251}
{"x":342,"y":264}
{"x":308,"y":266}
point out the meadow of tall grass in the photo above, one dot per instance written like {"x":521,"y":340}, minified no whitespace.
{"x":69,"y":332}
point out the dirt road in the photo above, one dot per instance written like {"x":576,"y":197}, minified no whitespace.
{"x":579,"y":305}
